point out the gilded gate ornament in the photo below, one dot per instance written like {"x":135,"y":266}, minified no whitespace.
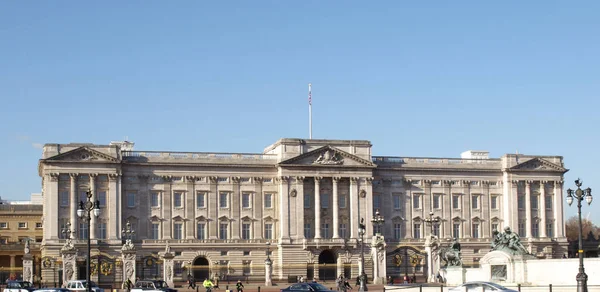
{"x":106,"y":268}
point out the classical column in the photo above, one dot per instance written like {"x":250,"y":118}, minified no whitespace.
{"x":236,"y":207}
{"x":190,"y":207}
{"x":317,"y":207}
{"x":114,"y":212}
{"x":93,"y":220}
{"x":73,"y":203}
{"x":354,"y":218}
{"x":51,"y":207}
{"x":367,"y":202}
{"x":299,"y":219}
{"x":284,"y":211}
{"x":167,"y":207}
{"x":467,"y":210}
{"x":542,"y":226}
{"x":447,"y":232}
{"x":336,"y":207}
{"x":258,"y":208}
{"x":213,"y":197}
{"x":408,"y":206}
{"x":557,"y":209}
{"x":528,"y":208}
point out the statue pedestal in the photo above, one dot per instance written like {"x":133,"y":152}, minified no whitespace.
{"x":28,"y":268}
{"x":69,"y":259}
{"x":268,"y":272}
{"x":128,"y":257}
{"x":168,"y":268}
{"x":455,"y":275}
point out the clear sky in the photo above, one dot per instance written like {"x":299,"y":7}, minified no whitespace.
{"x":417,"y":78}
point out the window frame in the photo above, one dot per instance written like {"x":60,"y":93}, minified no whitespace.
{"x":270,"y":200}
{"x":223,"y":203}
{"x":178,"y":195}
{"x":200,"y":197}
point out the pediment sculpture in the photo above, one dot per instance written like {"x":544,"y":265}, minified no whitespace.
{"x":329,"y":157}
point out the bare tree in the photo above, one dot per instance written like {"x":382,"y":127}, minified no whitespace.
{"x":572,"y":228}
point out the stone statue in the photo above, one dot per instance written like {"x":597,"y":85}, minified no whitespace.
{"x":69,"y":271}
{"x":167,"y":248}
{"x":451,"y":255}
{"x":128,"y":270}
{"x":509,"y":242}
{"x":128,"y":245}
{"x":27,"y":250}
{"x":329,"y":157}
{"x":68,"y":246}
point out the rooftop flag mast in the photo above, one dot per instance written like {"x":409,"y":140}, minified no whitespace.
{"x":309,"y":111}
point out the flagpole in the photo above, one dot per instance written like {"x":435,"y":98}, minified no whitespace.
{"x":309,"y":111}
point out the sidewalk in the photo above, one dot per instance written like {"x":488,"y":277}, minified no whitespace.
{"x":253,"y":287}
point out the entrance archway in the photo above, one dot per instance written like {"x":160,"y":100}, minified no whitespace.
{"x":201,"y":269}
{"x":327,"y":265}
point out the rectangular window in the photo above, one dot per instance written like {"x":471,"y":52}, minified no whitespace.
{"x":436,"y":230}
{"x":268,"y":200}
{"x":521,"y":228}
{"x":64,"y":198}
{"x":3,"y":225}
{"x":325,"y":230}
{"x":245,"y":230}
{"x":376,"y":202}
{"x":38,"y":225}
{"x":416,"y":202}
{"x":549,"y":229}
{"x":223,"y":231}
{"x":22,"y":225}
{"x":475,"y":230}
{"x":456,"y":230}
{"x":130,"y":200}
{"x":154,"y":199}
{"x":307,"y":201}
{"x":548,"y":202}
{"x":417,"y":230}
{"x":475,"y":201}
{"x":101,"y":230}
{"x":495,"y":227}
{"x":342,"y":230}
{"x":154,"y":234}
{"x":494,"y":202}
{"x":535,"y":229}
{"x":534,"y":202}
{"x":200,"y":200}
{"x":178,"y":200}
{"x":83,"y":230}
{"x":307,"y":233}
{"x":101,"y":196}
{"x":397,"y":202}
{"x":397,"y":231}
{"x":223,"y":200}
{"x":436,"y":201}
{"x":201,"y":230}
{"x":455,"y":202}
{"x":324,"y":201}
{"x":177,"y":231}
{"x":268,"y":231}
{"x":521,"y":202}
{"x":342,"y":201}
{"x":246,"y":200}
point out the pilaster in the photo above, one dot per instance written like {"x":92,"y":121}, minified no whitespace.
{"x":73,"y":202}
{"x":51,"y":197}
{"x":367,"y":202}
{"x":336,"y":207}
{"x":212,"y":200}
{"x":559,"y":224}
{"x":167,"y":208}
{"x":317,"y":207}
{"x":528,"y":218}
{"x":236,"y":207}
{"x":284,"y":208}
{"x":115,"y":206}
{"x":258,"y":208}
{"x":354,"y":218}
{"x":190,"y":207}
{"x":542,"y":227}
{"x":298,"y":220}
{"x":93,"y":219}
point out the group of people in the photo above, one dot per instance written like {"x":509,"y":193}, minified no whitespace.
{"x":209,"y":285}
{"x":341,"y":284}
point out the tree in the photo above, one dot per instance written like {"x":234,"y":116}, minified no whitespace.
{"x":572,"y":228}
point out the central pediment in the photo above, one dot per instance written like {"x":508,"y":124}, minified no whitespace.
{"x":328,"y":156}
{"x":82,"y":154}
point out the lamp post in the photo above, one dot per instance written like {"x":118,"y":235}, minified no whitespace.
{"x":85,"y":212}
{"x":363,"y":275}
{"x":431,"y":221}
{"x":580,"y":194}
{"x":378,"y":221}
{"x":128,"y":232}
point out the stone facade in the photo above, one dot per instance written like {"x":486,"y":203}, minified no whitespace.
{"x":218,"y":210}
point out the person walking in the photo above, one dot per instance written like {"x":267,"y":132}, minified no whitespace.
{"x":339,"y":282}
{"x":207,"y":284}
{"x":346,"y":286}
{"x":239,"y":286}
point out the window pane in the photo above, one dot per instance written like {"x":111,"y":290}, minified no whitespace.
{"x":455,"y":202}
{"x":178,"y":200}
{"x":436,"y":201}
{"x":200,"y":200}
{"x":416,"y":202}
{"x":155,"y":200}
{"x":131,"y":200}
{"x":223,"y":200}
{"x":268,"y":231}
{"x":246,"y":231}
{"x":307,"y":201}
{"x":475,"y":202}
{"x":245,"y":200}
{"x":417,"y":230}
{"x":324,"y":201}
{"x":200,"y":232}
{"x":396,"y":202}
{"x":534,"y":202}
{"x":494,"y":202}
{"x":102,"y":198}
{"x":223,"y":231}
{"x":548,"y":202}
{"x":342,"y":201}
{"x":307,"y":233}
{"x":268,"y":201}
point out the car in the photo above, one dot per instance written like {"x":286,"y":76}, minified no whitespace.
{"x":81,"y":285}
{"x":305,"y":287}
{"x":52,"y":290}
{"x":152,"y":285}
{"x":480,"y":287}
{"x":18,"y":286}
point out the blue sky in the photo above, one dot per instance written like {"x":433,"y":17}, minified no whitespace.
{"x":420,"y":78}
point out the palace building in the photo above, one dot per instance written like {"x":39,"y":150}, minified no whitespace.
{"x":218,"y":211}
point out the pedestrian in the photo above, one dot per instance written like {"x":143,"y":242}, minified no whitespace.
{"x":346,"y":286}
{"x":239,"y":286}
{"x":207,"y":284}
{"x":339,"y":282}
{"x":216,"y":286}
{"x":358,"y":281}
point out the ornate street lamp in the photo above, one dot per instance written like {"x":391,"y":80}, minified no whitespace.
{"x":431,"y":221}
{"x":378,"y":221}
{"x":580,"y":195}
{"x":363,"y":275}
{"x":85,"y":212}
{"x":127,"y":232}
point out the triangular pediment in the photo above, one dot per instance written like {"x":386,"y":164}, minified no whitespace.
{"x":328,"y":156}
{"x":83,"y":154}
{"x":397,"y":218}
{"x":538,"y":164}
{"x":154,"y":218}
{"x":246,"y":218}
{"x":178,"y":218}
